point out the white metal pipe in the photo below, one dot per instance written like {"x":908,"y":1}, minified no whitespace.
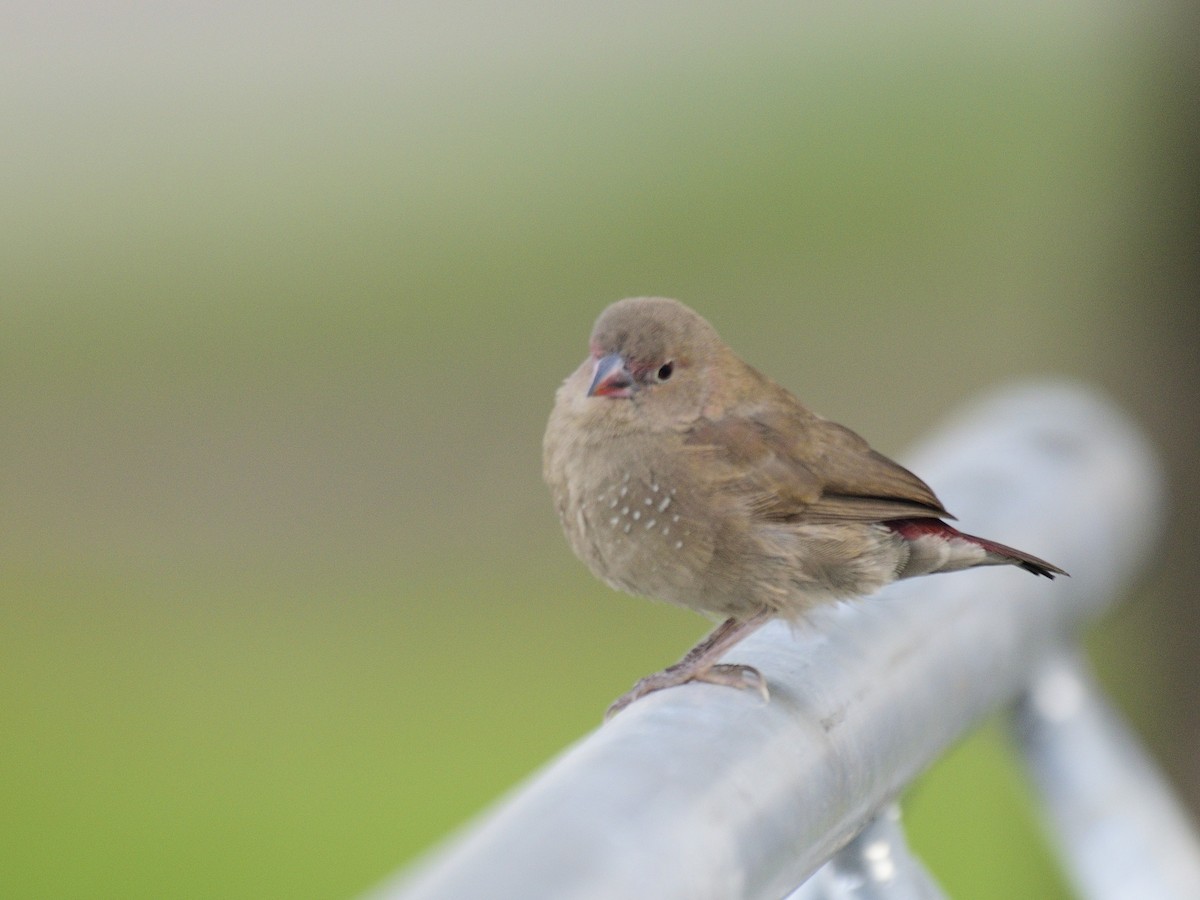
{"x":876,"y":865}
{"x":1120,"y":831}
{"x":708,"y":792}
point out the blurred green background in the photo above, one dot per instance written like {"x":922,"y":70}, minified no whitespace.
{"x":285,"y":294}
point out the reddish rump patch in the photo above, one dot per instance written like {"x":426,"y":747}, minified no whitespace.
{"x":911,"y":529}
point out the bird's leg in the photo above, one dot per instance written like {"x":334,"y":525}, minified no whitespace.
{"x":700,"y":664}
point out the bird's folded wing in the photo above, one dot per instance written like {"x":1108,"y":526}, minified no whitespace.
{"x":797,"y":467}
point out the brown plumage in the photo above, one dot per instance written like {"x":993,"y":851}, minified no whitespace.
{"x":681,"y":473}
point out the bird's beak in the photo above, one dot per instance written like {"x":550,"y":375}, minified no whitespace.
{"x":611,"y":378}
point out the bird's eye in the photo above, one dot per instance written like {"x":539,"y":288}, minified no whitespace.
{"x":665,"y":370}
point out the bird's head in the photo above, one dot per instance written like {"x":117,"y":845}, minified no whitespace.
{"x":655,"y":353}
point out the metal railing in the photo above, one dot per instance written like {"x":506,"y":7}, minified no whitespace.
{"x":707,"y":792}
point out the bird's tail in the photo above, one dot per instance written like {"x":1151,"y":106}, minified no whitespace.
{"x":938,"y":547}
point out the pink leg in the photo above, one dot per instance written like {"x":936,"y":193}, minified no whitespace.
{"x":700,"y":664}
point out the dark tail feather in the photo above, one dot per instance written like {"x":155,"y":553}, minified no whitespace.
{"x":1026,"y":561}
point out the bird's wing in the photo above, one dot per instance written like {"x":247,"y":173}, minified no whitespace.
{"x":797,"y":467}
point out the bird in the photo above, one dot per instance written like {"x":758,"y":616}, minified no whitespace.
{"x":681,"y":473}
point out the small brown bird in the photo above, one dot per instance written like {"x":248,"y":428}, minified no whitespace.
{"x":683,"y":474}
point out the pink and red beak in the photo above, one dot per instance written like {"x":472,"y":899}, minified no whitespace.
{"x":611,"y":377}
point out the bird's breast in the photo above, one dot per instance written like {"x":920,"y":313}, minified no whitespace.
{"x":634,"y":523}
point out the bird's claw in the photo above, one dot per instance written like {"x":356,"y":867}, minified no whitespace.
{"x":738,"y":676}
{"x":728,"y":674}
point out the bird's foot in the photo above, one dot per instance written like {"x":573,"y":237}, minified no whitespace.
{"x":728,"y":674}
{"x":737,"y":676}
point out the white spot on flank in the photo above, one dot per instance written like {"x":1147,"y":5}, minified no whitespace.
{"x":654,"y":487}
{"x":613,"y":521}
{"x":637,"y":514}
{"x":662,"y":507}
{"x":613,"y":504}
{"x":650,"y":523}
{"x":625,"y":480}
{"x":675,"y":518}
{"x":666,"y":530}
{"x":679,"y":545}
{"x":624,"y":510}
{"x":648,"y":501}
{"x":626,"y":528}
{"x":624,"y":490}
